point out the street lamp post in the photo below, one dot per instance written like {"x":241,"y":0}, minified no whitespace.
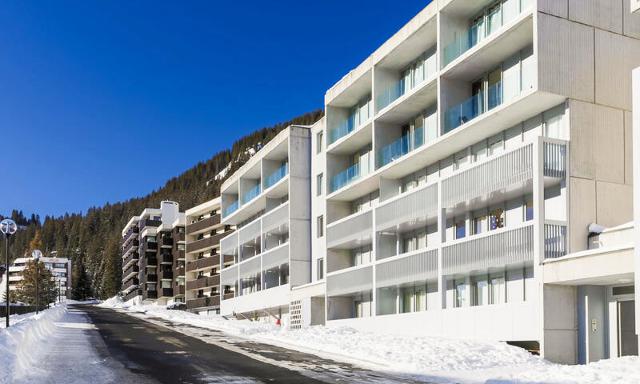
{"x":8,"y":227}
{"x":37,"y":254}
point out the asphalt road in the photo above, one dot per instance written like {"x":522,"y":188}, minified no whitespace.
{"x":171,"y":357}
{"x":170,"y":353}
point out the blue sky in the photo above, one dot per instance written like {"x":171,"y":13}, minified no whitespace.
{"x":101,"y":101}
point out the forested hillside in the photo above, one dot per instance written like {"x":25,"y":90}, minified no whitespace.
{"x":92,"y":240}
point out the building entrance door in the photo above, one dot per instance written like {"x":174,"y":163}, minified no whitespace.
{"x":627,"y":338}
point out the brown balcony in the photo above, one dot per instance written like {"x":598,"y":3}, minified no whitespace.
{"x":165,"y":275}
{"x":179,"y":271}
{"x":166,"y":292}
{"x":204,"y":282}
{"x":203,"y":224}
{"x":127,"y":274}
{"x":205,"y":262}
{"x":179,"y":290}
{"x":149,"y":223}
{"x":228,"y":296}
{"x":132,"y":256}
{"x":228,"y":259}
{"x":201,"y":302}
{"x":208,"y":242}
{"x":177,"y":236}
{"x":129,"y":283}
{"x":127,"y":246}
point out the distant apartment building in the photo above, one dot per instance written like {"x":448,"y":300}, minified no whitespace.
{"x":153,"y":255}
{"x":60,"y":268}
{"x":203,"y":259}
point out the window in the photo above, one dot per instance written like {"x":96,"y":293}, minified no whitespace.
{"x":478,"y":224}
{"x":528,"y":209}
{"x":320,"y":271}
{"x":496,"y":219}
{"x":460,"y":290}
{"x":320,"y":224}
{"x":319,"y":186}
{"x":460,"y":229}
{"x":480,"y":289}
{"x":497,"y":289}
{"x":181,"y":247}
{"x":319,"y":141}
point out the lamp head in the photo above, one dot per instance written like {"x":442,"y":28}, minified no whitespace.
{"x":8,"y":227}
{"x":36,"y":254}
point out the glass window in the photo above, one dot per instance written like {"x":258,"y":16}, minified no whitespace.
{"x":319,"y":184}
{"x":496,"y":219}
{"x":320,"y":266}
{"x":319,"y":141}
{"x":459,"y":293}
{"x":494,"y":19}
{"x":421,"y":298}
{"x":480,"y":291}
{"x":461,"y":159}
{"x":460,"y":229}
{"x":320,"y":224}
{"x":528,"y":209}
{"x":407,"y":299}
{"x":479,"y":224}
{"x":497,"y":289}
{"x":476,"y":33}
{"x":495,"y":88}
{"x":496,"y":145}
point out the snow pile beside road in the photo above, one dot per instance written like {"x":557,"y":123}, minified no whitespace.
{"x":431,"y":359}
{"x":18,"y":342}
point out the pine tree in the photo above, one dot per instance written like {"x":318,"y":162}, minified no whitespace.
{"x":81,"y":285}
{"x":26,"y":290}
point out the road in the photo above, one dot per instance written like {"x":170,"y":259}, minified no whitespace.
{"x":106,"y":346}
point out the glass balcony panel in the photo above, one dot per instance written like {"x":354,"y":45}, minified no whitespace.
{"x":394,"y":151}
{"x":231,"y":208}
{"x":472,"y":107}
{"x":345,"y":177}
{"x":251,"y":194}
{"x":391,"y":94}
{"x":276,"y":176}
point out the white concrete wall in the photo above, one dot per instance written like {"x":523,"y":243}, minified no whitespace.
{"x":636,"y":177}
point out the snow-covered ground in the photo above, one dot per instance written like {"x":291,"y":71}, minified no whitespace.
{"x":428,"y":358}
{"x":25,"y":335}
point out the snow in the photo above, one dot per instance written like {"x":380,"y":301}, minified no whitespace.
{"x":25,"y":335}
{"x":430,"y":359}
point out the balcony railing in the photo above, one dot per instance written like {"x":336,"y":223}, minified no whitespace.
{"x":555,"y":159}
{"x":276,"y":176}
{"x":355,"y":228}
{"x":251,"y":194}
{"x":472,"y":107}
{"x":417,"y":266}
{"x":511,"y":168}
{"x":149,"y":223}
{"x":231,"y":208}
{"x":350,"y":282}
{"x":390,"y":94}
{"x":555,"y":241}
{"x":203,"y":224}
{"x":405,"y":144}
{"x":207,"y":242}
{"x":130,"y":258}
{"x":206,"y":262}
{"x":166,"y":292}
{"x":202,"y":302}
{"x":350,"y":174}
{"x":179,"y":290}
{"x":204,"y":282}
{"x":417,"y":204}
{"x":165,"y":275}
{"x":357,"y":118}
{"x":492,"y":22}
{"x":489,"y":250}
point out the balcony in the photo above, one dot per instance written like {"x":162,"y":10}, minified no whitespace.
{"x":166,"y":292}
{"x":251,"y":194}
{"x":419,"y":204}
{"x":231,"y":208}
{"x":129,"y":234}
{"x":228,"y":296}
{"x":165,"y":275}
{"x":151,"y":294}
{"x":472,"y":107}
{"x":203,"y":302}
{"x":358,"y":118}
{"x":130,"y":272}
{"x":346,"y":177}
{"x":149,"y":223}
{"x":166,"y":258}
{"x":131,"y":258}
{"x":418,"y":266}
{"x":203,"y":224}
{"x":206,"y":262}
{"x":152,"y":278}
{"x":494,"y":249}
{"x":167,"y":242}
{"x":555,"y":240}
{"x":204,"y":282}
{"x":207,"y":242}
{"x":484,"y":28}
{"x":350,"y":232}
{"x":180,"y":271}
{"x":178,"y":291}
{"x":131,"y":283}
{"x":350,"y":281}
{"x":130,"y":245}
{"x":276,"y":176}
{"x":400,"y":147}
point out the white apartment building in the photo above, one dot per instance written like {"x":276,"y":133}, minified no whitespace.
{"x":475,"y":145}
{"x":268,"y":201}
{"x":60,"y":268}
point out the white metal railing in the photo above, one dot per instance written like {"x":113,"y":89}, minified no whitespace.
{"x":413,"y":267}
{"x":555,"y":240}
{"x":555,"y":158}
{"x":352,"y":281}
{"x":419,"y":203}
{"x":354,"y":227}
{"x":494,"y":174}
{"x":497,"y":249}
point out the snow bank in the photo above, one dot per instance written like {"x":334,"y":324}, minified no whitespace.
{"x":431,"y":359}
{"x":18,"y":342}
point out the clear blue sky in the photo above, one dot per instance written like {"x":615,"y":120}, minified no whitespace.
{"x":101,"y":101}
